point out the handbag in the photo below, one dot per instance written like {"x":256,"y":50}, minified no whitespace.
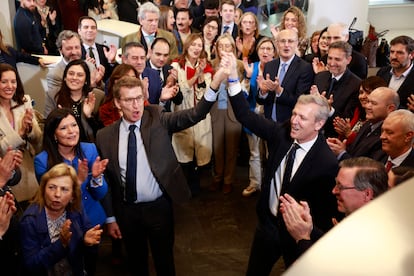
{"x":356,"y":37}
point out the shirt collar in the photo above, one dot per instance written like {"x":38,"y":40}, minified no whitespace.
{"x":406,"y":72}
{"x":307,"y":145}
{"x":399,"y":159}
{"x":125,"y":124}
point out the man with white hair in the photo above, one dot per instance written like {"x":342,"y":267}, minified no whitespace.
{"x":148,"y":16}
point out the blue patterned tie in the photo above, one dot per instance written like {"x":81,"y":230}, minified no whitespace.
{"x":131,"y":170}
{"x":281,"y":77}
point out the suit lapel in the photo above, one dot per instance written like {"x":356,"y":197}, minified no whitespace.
{"x":145,"y":131}
{"x":290,"y":71}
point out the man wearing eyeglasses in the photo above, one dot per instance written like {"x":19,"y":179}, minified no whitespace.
{"x":144,"y":173}
{"x":284,"y":79}
{"x":359,"y":181}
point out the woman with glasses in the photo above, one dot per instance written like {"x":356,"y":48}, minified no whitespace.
{"x":77,"y":95}
{"x":248,"y":37}
{"x":226,"y":129}
{"x":193,"y":146}
{"x":266,"y":51}
{"x":61,"y":143}
{"x":210,"y":34}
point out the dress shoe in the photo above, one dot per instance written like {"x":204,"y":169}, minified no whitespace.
{"x":249,"y":190}
{"x":227,"y":188}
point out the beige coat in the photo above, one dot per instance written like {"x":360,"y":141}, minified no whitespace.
{"x":9,"y":136}
{"x":196,"y":140}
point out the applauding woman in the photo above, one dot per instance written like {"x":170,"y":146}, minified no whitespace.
{"x":54,"y":230}
{"x":18,"y":129}
{"x":76,"y":94}
{"x":61,"y":144}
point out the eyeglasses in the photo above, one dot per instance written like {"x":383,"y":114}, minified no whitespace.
{"x":248,"y":22}
{"x":138,"y":99}
{"x":266,"y":49}
{"x":340,"y":188}
{"x":288,"y":41}
{"x":210,"y":27}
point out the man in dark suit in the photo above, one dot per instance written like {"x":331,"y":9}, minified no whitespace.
{"x":339,"y":84}
{"x":158,"y":58}
{"x":127,"y":10}
{"x":358,"y":64}
{"x":143,"y":207}
{"x":400,"y":74}
{"x":94,"y":52}
{"x":381,"y":102}
{"x":279,"y":90}
{"x":310,"y":177}
{"x":397,"y":139}
{"x":227,"y":13}
{"x":134,"y":53}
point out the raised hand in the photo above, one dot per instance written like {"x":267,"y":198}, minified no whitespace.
{"x":83,"y":170}
{"x":65,"y":233}
{"x":318,"y":65}
{"x":111,"y":53}
{"x":89,"y":105}
{"x":342,"y":126}
{"x":297,"y":217}
{"x":10,"y":161}
{"x":99,"y":166}
{"x":248,"y":68}
{"x":7,"y":209}
{"x":27,"y":123}
{"x":93,"y":236}
{"x":337,"y":146}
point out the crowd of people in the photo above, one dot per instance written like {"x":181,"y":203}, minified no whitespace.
{"x":117,"y":144}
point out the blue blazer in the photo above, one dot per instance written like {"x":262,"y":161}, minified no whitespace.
{"x":39,"y":253}
{"x":90,"y":195}
{"x":297,"y":81}
{"x":16,"y":56}
{"x":155,"y":84}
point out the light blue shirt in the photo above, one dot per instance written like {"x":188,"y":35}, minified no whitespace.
{"x":148,"y":189}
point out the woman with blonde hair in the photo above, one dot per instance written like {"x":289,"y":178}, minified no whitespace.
{"x":55,"y":232}
{"x":248,"y":37}
{"x":293,"y":18}
{"x":193,"y":146}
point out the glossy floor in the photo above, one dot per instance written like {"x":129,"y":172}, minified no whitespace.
{"x":213,"y":233}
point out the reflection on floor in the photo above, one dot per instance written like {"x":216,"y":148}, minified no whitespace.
{"x":213,"y":233}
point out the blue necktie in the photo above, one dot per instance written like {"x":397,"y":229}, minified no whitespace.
{"x":150,"y":38}
{"x":281,"y":77}
{"x":131,"y":170}
{"x":282,"y":73}
{"x":225,"y":29}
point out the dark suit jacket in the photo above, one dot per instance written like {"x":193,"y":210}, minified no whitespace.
{"x":156,"y":129}
{"x":406,"y":88}
{"x":178,"y":99}
{"x":127,"y":10}
{"x":358,"y":64}
{"x":368,"y":146}
{"x":345,"y":96}
{"x":154,"y":84}
{"x":16,"y":57}
{"x":409,"y":160}
{"x":312,"y":182}
{"x":102,"y":58}
{"x":297,"y":81}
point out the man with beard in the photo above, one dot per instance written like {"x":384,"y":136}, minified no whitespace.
{"x":27,"y":29}
{"x":400,"y":74}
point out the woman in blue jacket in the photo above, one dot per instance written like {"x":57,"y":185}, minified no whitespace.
{"x":54,"y":231}
{"x":61,"y":144}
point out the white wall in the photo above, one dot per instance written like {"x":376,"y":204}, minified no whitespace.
{"x":321,"y":13}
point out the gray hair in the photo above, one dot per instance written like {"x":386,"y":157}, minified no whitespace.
{"x":406,"y":118}
{"x":147,"y":7}
{"x":66,"y":35}
{"x":371,"y":174}
{"x":343,"y":26}
{"x":321,"y":102}
{"x":342,"y":45}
